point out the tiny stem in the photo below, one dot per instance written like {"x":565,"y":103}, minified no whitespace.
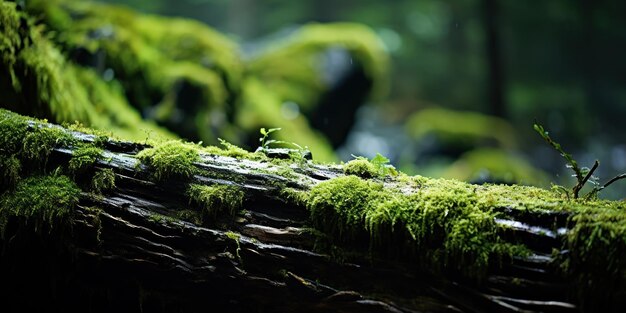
{"x":582,"y":182}
{"x":614,"y":179}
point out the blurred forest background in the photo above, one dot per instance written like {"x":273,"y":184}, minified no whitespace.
{"x":467,"y":80}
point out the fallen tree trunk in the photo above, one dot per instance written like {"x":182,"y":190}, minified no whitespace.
{"x":139,"y":246}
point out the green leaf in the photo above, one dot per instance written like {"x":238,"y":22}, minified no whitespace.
{"x":380,"y":160}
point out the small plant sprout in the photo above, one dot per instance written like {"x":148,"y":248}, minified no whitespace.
{"x":582,"y":174}
{"x":265,"y":134}
{"x":266,"y":142}
{"x":381,"y":165}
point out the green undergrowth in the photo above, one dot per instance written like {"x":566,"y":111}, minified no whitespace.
{"x":216,"y":200}
{"x":450,"y":226}
{"x":39,"y":81}
{"x":171,"y":159}
{"x":103,"y":179}
{"x":44,"y":200}
{"x":441,"y":223}
{"x":84,"y":157}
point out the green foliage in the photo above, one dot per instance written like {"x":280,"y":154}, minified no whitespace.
{"x":10,"y":167}
{"x":442,"y":223}
{"x":216,"y":199}
{"x":265,"y":142}
{"x":235,"y":237}
{"x":41,"y":199}
{"x":43,"y":83}
{"x":597,"y":255}
{"x":583,"y":175}
{"x":103,"y":179}
{"x":84,"y":157}
{"x":378,"y":166}
{"x":171,"y":159}
{"x":360,"y":167}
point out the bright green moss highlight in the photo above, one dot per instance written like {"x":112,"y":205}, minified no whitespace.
{"x":450,"y":225}
{"x":171,"y":159}
{"x":103,"y":179}
{"x":441,"y":222}
{"x":597,"y":255}
{"x":84,"y":157}
{"x":360,"y":167}
{"x":216,"y":199}
{"x":38,"y":143}
{"x":233,"y":151}
{"x":33,"y":141}
{"x":42,"y":83}
{"x":177,"y":72}
{"x":44,"y":199}
{"x":291,"y":68}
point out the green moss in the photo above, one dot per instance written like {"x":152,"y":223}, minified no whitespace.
{"x":38,"y":143}
{"x":191,"y":216}
{"x":360,"y":167}
{"x":103,"y":179}
{"x":179,"y":73}
{"x":171,"y":159}
{"x":233,"y":151}
{"x":84,"y":157}
{"x":291,"y":68}
{"x":43,"y":83}
{"x":43,"y":199}
{"x":10,"y":167}
{"x":216,"y":199}
{"x":236,"y":238}
{"x":442,"y":223}
{"x":597,"y":255}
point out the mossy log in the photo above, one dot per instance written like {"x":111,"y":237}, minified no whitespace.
{"x":242,"y":240}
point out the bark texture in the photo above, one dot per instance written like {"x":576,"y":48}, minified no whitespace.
{"x":128,"y":250}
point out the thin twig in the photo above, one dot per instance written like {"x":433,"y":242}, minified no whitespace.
{"x":614,"y":179}
{"x":582,"y":182}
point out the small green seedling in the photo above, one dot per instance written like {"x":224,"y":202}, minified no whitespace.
{"x":265,"y":134}
{"x":583,"y":175}
{"x":381,"y":164}
{"x":266,"y":142}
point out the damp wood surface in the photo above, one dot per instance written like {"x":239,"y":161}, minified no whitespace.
{"x":147,"y":243}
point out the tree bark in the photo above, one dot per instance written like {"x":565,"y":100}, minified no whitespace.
{"x":132,"y":253}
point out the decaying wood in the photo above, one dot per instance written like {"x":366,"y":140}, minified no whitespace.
{"x":121,"y":258}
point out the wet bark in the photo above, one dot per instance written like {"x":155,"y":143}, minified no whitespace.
{"x":126,"y":250}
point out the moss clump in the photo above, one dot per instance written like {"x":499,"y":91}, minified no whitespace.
{"x":231,"y":150}
{"x":10,"y":167}
{"x":216,"y":199}
{"x":360,"y":167}
{"x":84,"y":157}
{"x":41,"y":82}
{"x":440,"y":222}
{"x":29,"y":139}
{"x":171,"y":159}
{"x":103,"y":179}
{"x":44,"y":199}
{"x":597,"y":256}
